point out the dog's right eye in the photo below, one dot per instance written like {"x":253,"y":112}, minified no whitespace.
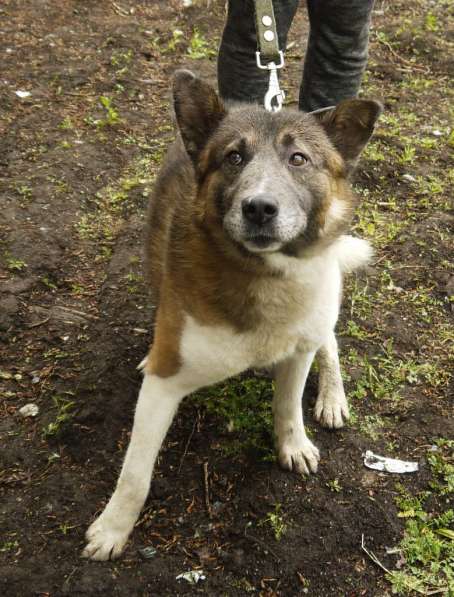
{"x":298,"y":159}
{"x":234,"y":158}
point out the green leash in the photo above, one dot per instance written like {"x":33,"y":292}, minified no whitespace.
{"x":268,"y":56}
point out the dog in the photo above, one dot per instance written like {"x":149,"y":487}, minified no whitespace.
{"x":246,"y":250}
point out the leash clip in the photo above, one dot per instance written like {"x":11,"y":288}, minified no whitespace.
{"x":274,"y":97}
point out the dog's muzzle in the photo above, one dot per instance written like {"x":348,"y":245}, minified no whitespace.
{"x":259,"y":216}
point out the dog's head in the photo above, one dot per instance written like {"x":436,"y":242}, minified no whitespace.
{"x":271,"y":181}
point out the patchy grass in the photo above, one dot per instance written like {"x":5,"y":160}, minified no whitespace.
{"x":14,"y":264}
{"x":334,"y":485}
{"x":64,"y":408}
{"x":199,"y":47}
{"x":111,"y":115}
{"x":103,"y":221}
{"x":427,"y":549}
{"x":275,"y":520}
{"x":383,"y":375}
{"x":244,"y":407}
{"x":7,"y":546}
{"x":24,"y":190}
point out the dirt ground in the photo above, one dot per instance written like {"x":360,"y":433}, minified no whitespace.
{"x":78,"y":157}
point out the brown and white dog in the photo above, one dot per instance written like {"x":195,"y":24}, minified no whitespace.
{"x":246,"y":250}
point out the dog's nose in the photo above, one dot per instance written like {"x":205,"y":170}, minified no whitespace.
{"x":259,"y":210}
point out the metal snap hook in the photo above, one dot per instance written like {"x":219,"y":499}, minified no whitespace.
{"x":274,"y":97}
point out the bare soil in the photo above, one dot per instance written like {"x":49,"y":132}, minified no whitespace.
{"x":74,"y":314}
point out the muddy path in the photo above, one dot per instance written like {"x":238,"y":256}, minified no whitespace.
{"x":80,"y":146}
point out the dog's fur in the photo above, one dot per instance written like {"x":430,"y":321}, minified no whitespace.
{"x":246,"y":249}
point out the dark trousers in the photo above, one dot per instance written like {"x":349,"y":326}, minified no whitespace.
{"x":336,"y":53}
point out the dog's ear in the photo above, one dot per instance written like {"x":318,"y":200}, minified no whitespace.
{"x":349,"y":125}
{"x":198,"y":110}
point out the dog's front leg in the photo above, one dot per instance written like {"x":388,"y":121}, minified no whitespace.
{"x":157,"y":404}
{"x":331,"y":408}
{"x":295,"y":450}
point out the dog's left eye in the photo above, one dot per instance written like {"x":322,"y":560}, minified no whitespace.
{"x":298,"y":159}
{"x":234,"y":158}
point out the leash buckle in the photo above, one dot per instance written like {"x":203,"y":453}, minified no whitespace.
{"x":274,"y":97}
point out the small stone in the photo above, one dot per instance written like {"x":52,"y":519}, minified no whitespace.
{"x":408,"y":178}
{"x":217,"y":507}
{"x":146,"y":553}
{"x":29,"y":410}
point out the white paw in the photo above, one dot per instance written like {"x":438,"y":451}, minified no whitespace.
{"x":299,"y":454}
{"x":331,"y":409}
{"x":106,"y":539}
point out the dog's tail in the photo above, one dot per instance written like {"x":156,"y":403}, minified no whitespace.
{"x":353,"y":253}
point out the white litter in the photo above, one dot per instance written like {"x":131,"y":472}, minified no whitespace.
{"x":192,"y":576}
{"x":389,"y":465}
{"x":23,"y":94}
{"x":437,"y":133}
{"x":29,"y":410}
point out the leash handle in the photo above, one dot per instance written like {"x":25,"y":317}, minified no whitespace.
{"x":268,"y":56}
{"x":265,"y":24}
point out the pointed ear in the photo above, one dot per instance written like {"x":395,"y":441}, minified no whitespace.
{"x":349,"y":125}
{"x":198,"y":110}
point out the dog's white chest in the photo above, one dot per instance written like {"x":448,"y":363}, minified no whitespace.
{"x":294,"y":314}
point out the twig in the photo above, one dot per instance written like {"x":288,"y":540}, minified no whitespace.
{"x":35,"y":325}
{"x":186,"y":447}
{"x":74,"y":94}
{"x":207,"y":494}
{"x":76,"y":312}
{"x":400,"y":58}
{"x":68,"y":578}
{"x":262,"y":544}
{"x":374,"y":559}
{"x":119,"y":10}
{"x":438,"y":269}
{"x":372,"y":556}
